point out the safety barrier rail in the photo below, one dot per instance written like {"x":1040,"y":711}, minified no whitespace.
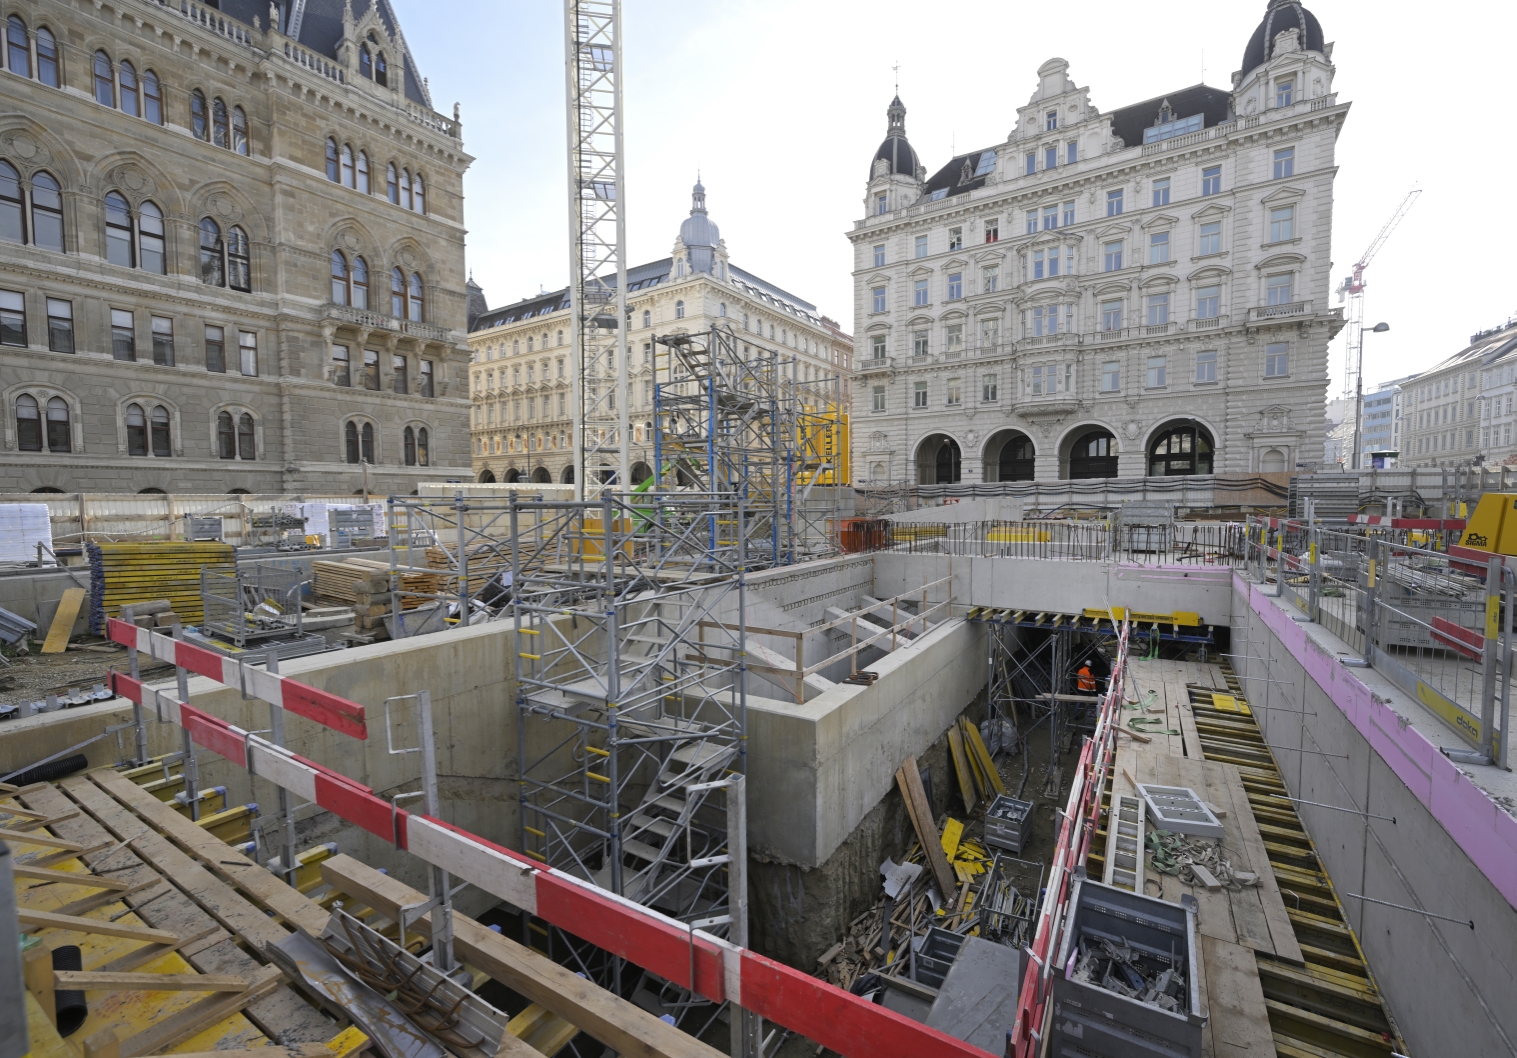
{"x":1164,"y":542}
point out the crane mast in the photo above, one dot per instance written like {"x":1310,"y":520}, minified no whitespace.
{"x":598,"y":242}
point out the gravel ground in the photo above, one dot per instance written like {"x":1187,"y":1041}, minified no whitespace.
{"x":31,"y":677}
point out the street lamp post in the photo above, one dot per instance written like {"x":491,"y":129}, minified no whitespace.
{"x":1379,"y":328}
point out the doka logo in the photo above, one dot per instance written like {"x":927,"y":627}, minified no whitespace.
{"x":1475,"y":540}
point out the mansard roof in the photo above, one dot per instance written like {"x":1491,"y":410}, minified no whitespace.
{"x":1212,"y":103}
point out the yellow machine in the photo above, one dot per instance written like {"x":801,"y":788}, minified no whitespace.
{"x":1493,"y":528}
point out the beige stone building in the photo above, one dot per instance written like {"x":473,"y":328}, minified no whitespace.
{"x":231,"y":251}
{"x":520,"y":384}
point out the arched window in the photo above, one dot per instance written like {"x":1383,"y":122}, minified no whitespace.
{"x":18,"y":56}
{"x":152,"y":98}
{"x":332,"y":173}
{"x":223,"y":125}
{"x":47,"y":57}
{"x":365,"y":62}
{"x":679,"y":310}
{"x":1094,"y":455}
{"x":226,"y":436}
{"x":419,"y":194}
{"x":200,"y":124}
{"x":28,"y":424}
{"x":136,"y":430}
{"x":1182,"y":449}
{"x":423,"y":449}
{"x":721,"y":310}
{"x":350,"y":442}
{"x":347,"y":166}
{"x":239,"y":263}
{"x":239,"y":131}
{"x":128,"y":74}
{"x":647,"y":318}
{"x":150,"y":253}
{"x":118,"y":231}
{"x":392,"y":184}
{"x":12,"y":206}
{"x":105,"y":81}
{"x":381,"y":70}
{"x":363,"y":171}
{"x":417,"y":298}
{"x":410,"y":446}
{"x":212,"y":272}
{"x":247,"y":440}
{"x":339,"y":278}
{"x":58,"y":437}
{"x":47,"y":212}
{"x":366,"y":442}
{"x":397,"y":293}
{"x":162,"y":442}
{"x":360,"y":283}
{"x":405,"y":189}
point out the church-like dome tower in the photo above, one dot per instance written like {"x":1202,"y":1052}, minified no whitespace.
{"x":895,"y":174}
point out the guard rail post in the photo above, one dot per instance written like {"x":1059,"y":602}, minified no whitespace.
{"x":1371,"y":593}
{"x":1314,"y":579}
{"x":13,"y":1037}
{"x":1490,"y":650}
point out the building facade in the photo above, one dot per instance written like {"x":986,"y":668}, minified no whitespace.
{"x":1459,"y":413}
{"x":231,"y":251}
{"x":1136,"y":292}
{"x":1380,"y":436}
{"x":520,"y":386}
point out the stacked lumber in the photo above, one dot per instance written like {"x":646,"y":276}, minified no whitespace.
{"x":139,"y":572}
{"x":484,"y":563}
{"x":364,"y":584}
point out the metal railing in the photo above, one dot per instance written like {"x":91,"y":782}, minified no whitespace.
{"x":1160,"y":543}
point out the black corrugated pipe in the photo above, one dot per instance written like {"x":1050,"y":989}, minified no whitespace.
{"x":53,"y":769}
{"x":69,"y":1003}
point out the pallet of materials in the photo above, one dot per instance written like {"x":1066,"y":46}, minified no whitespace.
{"x":365,"y":584}
{"x":139,"y":572}
{"x":484,"y":562}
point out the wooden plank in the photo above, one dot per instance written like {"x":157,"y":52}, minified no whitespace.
{"x":613,"y":1021}
{"x":1271,"y":903}
{"x":80,"y":878}
{"x":96,"y":980}
{"x":288,"y":1050}
{"x":153,"y":952}
{"x":1239,"y":1022}
{"x":961,"y":768}
{"x":977,"y":749}
{"x":63,"y":621}
{"x":198,"y":1017}
{"x":920,"y":813}
{"x":99,"y":927}
{"x":47,"y":841}
{"x":247,"y":876}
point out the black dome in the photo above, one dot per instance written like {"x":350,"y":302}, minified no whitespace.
{"x":1280,"y":16}
{"x":896,"y":150}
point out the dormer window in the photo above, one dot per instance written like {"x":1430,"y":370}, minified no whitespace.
{"x":1285,"y":92}
{"x":1051,"y":120}
{"x":881,"y":205}
{"x":365,"y":62}
{"x":381,"y":70}
{"x":987,"y":164}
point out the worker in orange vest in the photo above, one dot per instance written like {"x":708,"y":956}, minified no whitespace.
{"x":1085,"y":681}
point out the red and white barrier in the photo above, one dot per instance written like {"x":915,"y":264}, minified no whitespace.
{"x":817,"y":1010}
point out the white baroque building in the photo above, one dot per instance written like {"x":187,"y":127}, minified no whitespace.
{"x":1137,"y":292}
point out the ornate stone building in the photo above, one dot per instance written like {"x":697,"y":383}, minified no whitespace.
{"x":520,"y":387}
{"x":1106,"y":294}
{"x":231,"y":251}
{"x":1460,"y":412}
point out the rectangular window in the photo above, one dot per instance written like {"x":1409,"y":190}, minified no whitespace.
{"x":1069,"y":214}
{"x":1045,"y":320}
{"x":1111,"y":376}
{"x":561,"y":404}
{"x":1050,"y":217}
{"x":1285,"y":92}
{"x":955,"y":286}
{"x":1211,"y":180}
{"x":1158,"y":248}
{"x":1050,"y":121}
{"x":1285,"y":162}
{"x":1113,"y":252}
{"x":1277,"y":360}
{"x":371,"y":370}
{"x":919,"y":395}
{"x":1156,"y":372}
{"x":1037,"y":381}
{"x":992,"y":279}
{"x":919,"y":343}
{"x":1158,"y":309}
{"x":1211,"y":238}
{"x":163,"y":341}
{"x":989,"y":390}
{"x":1111,"y":315}
{"x":1051,"y":156}
{"x":425,"y":387}
{"x":1206,"y":366}
{"x":954,"y":392}
{"x":399,"y":382}
{"x":921,"y":246}
{"x":993,"y":230}
{"x":247,"y":350}
{"x":60,"y":325}
{"x":990,"y":334}
{"x":1161,"y":191}
{"x":1071,"y":152}
{"x":123,"y":335}
{"x":879,"y":299}
{"x":12,"y":318}
{"x":919,"y":292}
{"x":1208,"y":303}
{"x":1282,"y":223}
{"x":1032,"y":163}
{"x":881,"y":205}
{"x":879,"y":256}
{"x":1114,"y":203}
{"x":955,"y":238}
{"x":953,"y":339}
{"x":879,"y":398}
{"x":215,"y":352}
{"x":1278,"y":289}
{"x":877,"y":347}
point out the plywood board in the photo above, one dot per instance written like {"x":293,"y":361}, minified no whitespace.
{"x":1238,"y":1026}
{"x":63,"y":621}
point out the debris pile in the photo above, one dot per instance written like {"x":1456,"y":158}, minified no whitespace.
{"x":1123,"y":969}
{"x":1195,"y":861}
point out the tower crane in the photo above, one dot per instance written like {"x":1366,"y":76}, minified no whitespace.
{"x":1352,"y":288}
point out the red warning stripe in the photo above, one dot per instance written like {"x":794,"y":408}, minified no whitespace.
{"x":326,"y":709}
{"x":359,"y":805}
{"x":214,"y":734}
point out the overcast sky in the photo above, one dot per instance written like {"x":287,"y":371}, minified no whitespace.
{"x":780,"y":104}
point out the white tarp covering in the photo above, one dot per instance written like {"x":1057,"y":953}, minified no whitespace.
{"x":22,"y":527}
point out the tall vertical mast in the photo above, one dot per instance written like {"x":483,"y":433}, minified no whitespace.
{"x":598,"y":238}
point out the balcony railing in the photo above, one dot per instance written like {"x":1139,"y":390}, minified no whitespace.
{"x":1210,"y":323}
{"x":380,"y":322}
{"x":1279,"y":312}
